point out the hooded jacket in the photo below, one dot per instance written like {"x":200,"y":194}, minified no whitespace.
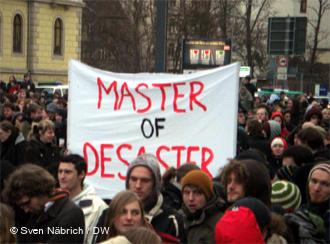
{"x":258,"y":183}
{"x":166,"y":221}
{"x":45,"y":155}
{"x":92,"y":206}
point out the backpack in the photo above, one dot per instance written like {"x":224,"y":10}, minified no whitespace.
{"x":306,"y":226}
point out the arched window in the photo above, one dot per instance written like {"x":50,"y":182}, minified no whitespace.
{"x":58,"y":35}
{"x":18,"y":34}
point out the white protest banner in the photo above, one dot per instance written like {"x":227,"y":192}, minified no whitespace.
{"x":113,"y":117}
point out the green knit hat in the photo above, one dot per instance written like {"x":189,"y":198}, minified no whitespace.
{"x":286,"y":195}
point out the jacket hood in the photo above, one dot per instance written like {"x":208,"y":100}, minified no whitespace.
{"x":258,"y":183}
{"x":87,"y":191}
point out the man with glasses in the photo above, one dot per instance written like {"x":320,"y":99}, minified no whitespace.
{"x":53,"y":217}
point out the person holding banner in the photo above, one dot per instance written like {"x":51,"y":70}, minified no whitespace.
{"x":144,"y":179}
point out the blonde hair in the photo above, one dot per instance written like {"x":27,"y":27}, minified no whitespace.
{"x":40,"y":128}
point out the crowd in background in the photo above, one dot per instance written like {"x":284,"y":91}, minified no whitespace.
{"x":276,"y":190}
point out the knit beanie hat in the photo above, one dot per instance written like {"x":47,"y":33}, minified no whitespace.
{"x":149,"y":161}
{"x":259,"y":209}
{"x":300,"y":154}
{"x":279,"y":140}
{"x":274,"y":129}
{"x":287,"y":172}
{"x":243,"y":222}
{"x":277,"y":114}
{"x":254,"y":154}
{"x":287,"y":195}
{"x":199,"y":179}
{"x":258,"y":183}
{"x":323,"y":166}
{"x":238,"y":226}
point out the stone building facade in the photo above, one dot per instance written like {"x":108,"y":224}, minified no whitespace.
{"x":40,"y":37}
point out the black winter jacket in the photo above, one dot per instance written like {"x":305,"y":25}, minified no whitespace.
{"x":200,"y":228}
{"x":62,"y":215}
{"x":13,"y":149}
{"x":45,"y":155}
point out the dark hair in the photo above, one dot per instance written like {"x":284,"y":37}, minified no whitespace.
{"x":311,"y":137}
{"x":287,"y":112}
{"x":28,"y":180}
{"x":313,"y":112}
{"x":300,"y":154}
{"x":254,"y":177}
{"x":9,"y":105}
{"x":234,"y":166}
{"x":13,"y":76}
{"x":178,"y":173}
{"x":255,"y":128}
{"x":7,"y":126}
{"x":254,"y":154}
{"x":33,"y":108}
{"x":78,"y":161}
{"x":265,"y":107}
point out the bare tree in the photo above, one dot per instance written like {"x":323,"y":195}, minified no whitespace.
{"x":141,"y":15}
{"x":226,"y":12}
{"x":118,"y":35}
{"x":315,"y":23}
{"x":251,"y":33}
{"x":195,"y":19}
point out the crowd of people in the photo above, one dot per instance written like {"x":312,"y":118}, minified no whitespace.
{"x":276,"y":189}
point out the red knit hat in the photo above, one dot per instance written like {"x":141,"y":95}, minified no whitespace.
{"x":238,"y":225}
{"x":279,"y":140}
{"x":274,"y":114}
